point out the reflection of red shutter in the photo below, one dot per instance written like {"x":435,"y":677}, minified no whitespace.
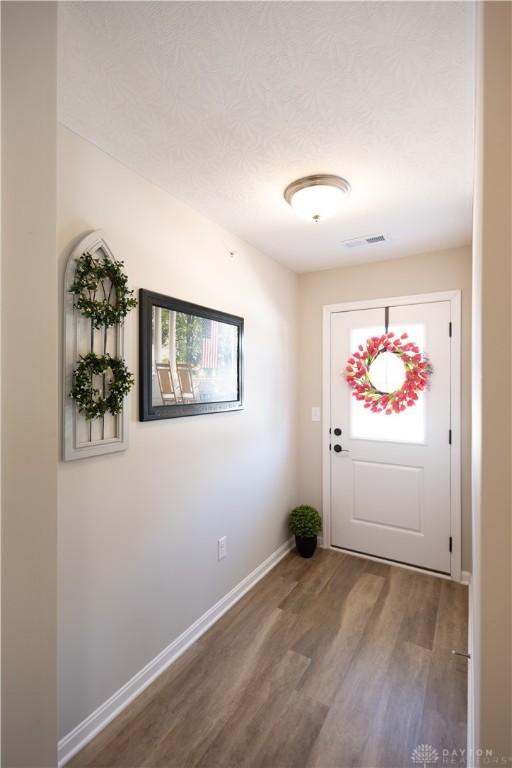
{"x":210,"y":343}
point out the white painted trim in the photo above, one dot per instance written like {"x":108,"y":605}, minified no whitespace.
{"x":454,"y":297}
{"x":326,"y":425}
{"x":76,"y":739}
{"x":455,"y":453}
{"x":470,"y":762}
{"x":465,"y":577}
{"x":395,"y":301}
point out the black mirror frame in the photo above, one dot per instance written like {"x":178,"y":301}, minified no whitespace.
{"x":150,"y":412}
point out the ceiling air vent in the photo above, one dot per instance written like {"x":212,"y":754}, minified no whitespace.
{"x":357,"y":242}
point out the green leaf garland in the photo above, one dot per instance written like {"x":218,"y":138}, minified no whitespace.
{"x":88,"y":398}
{"x":89,"y":280}
{"x":101,"y":292}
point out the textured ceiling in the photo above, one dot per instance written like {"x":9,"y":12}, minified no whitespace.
{"x":224,"y":103}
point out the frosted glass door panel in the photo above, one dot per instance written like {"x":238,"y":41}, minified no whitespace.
{"x":405,"y":427}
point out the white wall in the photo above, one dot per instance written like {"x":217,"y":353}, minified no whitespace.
{"x":426,"y":273}
{"x":138,"y":530}
{"x":29,"y":384}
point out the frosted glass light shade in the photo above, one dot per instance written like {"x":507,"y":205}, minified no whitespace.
{"x":317,"y":197}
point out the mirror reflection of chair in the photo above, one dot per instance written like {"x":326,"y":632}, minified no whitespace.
{"x":186,"y":383}
{"x":166,"y":384}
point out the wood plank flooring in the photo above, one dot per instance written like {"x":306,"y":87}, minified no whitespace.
{"x":331,"y":662}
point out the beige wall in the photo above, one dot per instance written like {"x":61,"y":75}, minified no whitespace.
{"x":29,"y":384}
{"x":491,"y":462}
{"x":418,"y":274}
{"x":138,"y":530}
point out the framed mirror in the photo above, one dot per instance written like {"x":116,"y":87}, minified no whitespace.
{"x":190,"y":358}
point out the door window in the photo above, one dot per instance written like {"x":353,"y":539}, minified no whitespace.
{"x":387,"y":373}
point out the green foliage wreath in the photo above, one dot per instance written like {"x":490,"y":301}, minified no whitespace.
{"x":92,"y":402}
{"x":102,"y":276}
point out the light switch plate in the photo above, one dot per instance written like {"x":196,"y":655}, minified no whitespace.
{"x":315,"y":413}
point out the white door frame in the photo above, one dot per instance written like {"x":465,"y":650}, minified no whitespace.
{"x":454,"y":297}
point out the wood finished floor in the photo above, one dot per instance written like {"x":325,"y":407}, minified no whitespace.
{"x":331,"y":662}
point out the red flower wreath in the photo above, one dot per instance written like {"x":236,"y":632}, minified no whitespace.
{"x":417,"y":371}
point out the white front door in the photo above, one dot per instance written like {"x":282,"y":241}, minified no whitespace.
{"x":390,"y":474}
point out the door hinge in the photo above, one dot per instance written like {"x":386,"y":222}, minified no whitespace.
{"x":450,"y":436}
{"x":451,"y":543}
{"x":450,"y":329}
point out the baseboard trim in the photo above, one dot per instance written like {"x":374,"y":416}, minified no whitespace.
{"x":76,"y":739}
{"x":471,"y":753}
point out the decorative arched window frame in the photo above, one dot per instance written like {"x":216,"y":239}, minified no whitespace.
{"x":82,"y":438}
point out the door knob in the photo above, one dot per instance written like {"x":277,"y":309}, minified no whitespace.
{"x":338,"y":448}
{"x":337,"y":431}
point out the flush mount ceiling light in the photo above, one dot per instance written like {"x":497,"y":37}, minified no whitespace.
{"x":317,"y":197}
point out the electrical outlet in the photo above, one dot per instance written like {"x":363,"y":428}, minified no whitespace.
{"x":222,"y":548}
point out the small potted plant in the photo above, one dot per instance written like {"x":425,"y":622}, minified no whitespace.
{"x":305,"y":522}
